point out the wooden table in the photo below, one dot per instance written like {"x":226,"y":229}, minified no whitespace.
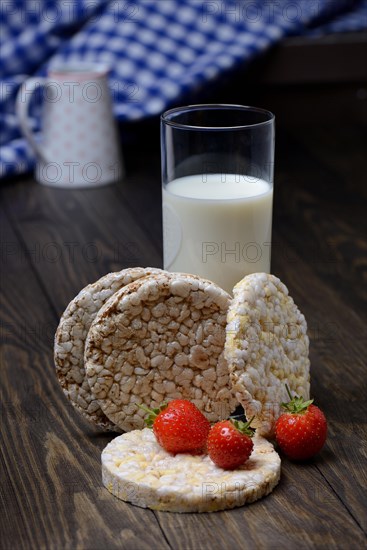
{"x":54,"y":242}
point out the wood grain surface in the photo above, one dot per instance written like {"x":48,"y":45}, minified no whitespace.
{"x":54,"y":242}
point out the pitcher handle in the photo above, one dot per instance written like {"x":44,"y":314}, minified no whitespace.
{"x":21,"y":108}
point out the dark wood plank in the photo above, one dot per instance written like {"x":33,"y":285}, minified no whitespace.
{"x":52,"y":494}
{"x":74,"y":237}
{"x":344,"y":156}
{"x":285,"y":519}
{"x":320,"y":249}
{"x":143,"y":193}
{"x":319,"y":212}
{"x":337,"y":353}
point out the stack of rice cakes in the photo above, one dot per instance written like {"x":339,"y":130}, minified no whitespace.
{"x":143,"y":336}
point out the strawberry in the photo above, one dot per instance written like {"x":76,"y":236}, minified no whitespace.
{"x":229,"y":443}
{"x":301,"y":431}
{"x":179,"y":426}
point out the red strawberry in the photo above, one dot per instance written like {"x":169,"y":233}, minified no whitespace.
{"x":301,"y":431}
{"x":179,"y":426}
{"x":229,"y":443}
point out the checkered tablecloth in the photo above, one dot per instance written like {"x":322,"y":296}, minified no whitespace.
{"x":159,"y":51}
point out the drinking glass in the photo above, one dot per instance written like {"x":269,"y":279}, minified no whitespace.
{"x":217,"y":195}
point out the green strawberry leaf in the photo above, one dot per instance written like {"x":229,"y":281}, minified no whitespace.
{"x":243,"y":427}
{"x":296,"y":405}
{"x":152,"y":413}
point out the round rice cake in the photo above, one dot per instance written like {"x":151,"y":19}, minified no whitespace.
{"x":157,"y":339}
{"x":71,"y":335}
{"x":266,"y":347}
{"x":136,"y":469}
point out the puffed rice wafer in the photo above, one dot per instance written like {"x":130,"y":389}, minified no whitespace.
{"x":136,"y":469}
{"x":70,"y":340}
{"x":158,"y":339}
{"x":266,"y":347}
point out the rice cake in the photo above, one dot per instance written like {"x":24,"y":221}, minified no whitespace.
{"x":136,"y":469}
{"x":71,"y":335}
{"x":266,"y":347}
{"x":157,"y":339}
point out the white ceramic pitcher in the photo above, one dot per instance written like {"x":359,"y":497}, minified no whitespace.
{"x":79,"y":145}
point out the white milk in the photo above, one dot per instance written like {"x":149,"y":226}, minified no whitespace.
{"x":217,"y":226}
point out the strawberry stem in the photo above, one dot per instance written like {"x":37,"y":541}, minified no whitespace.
{"x":296,"y":405}
{"x":288,"y":392}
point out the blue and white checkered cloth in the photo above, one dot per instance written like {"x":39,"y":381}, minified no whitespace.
{"x":159,"y":51}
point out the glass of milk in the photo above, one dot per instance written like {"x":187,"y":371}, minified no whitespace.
{"x":217,"y":174}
